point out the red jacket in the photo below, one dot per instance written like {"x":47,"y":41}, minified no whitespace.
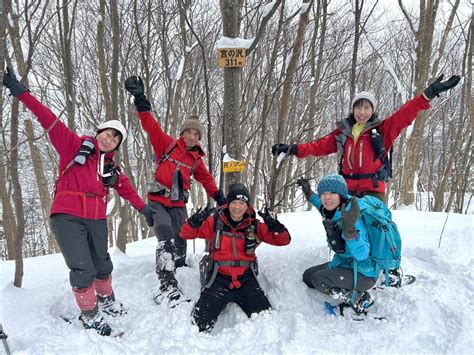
{"x":226,"y":252}
{"x":360,"y":158}
{"x":79,"y":190}
{"x":164,"y":173}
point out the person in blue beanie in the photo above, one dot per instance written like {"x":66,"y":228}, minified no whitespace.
{"x":348,"y":277}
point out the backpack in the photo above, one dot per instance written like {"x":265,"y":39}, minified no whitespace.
{"x":208,"y":267}
{"x":383,"y":234}
{"x":385,"y":171}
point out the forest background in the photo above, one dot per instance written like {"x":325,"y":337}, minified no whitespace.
{"x":305,"y":61}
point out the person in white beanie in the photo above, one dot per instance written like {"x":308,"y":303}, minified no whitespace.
{"x":363,"y":141}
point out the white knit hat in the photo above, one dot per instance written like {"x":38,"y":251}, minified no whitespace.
{"x":363,"y":95}
{"x":115,"y":124}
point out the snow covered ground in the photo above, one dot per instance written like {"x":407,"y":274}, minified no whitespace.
{"x":432,"y":316}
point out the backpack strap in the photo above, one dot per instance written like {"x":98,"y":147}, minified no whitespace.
{"x":382,"y":174}
{"x":169,"y":150}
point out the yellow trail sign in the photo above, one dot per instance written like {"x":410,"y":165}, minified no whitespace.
{"x":231,"y":57}
{"x":233,"y":166}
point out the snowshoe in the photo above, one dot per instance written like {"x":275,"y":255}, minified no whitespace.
{"x":356,"y":312}
{"x":110,"y":306}
{"x":172,"y":296}
{"x":79,"y":322}
{"x":95,"y":321}
{"x":396,"y":279}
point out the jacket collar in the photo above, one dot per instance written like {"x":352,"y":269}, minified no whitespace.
{"x":196,"y":151}
{"x":346,"y":127}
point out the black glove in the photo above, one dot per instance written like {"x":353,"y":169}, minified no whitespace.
{"x":148,"y":213}
{"x":304,"y":184}
{"x":112,"y":174}
{"x":272,"y":223}
{"x":134,"y":85}
{"x":220,"y":198}
{"x":438,"y":86}
{"x":284,"y":148}
{"x":197,"y":219}
{"x":349,"y":219}
{"x":334,"y":236}
{"x":11,"y":82}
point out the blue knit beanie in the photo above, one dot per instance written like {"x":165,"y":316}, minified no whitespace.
{"x":333,"y":183}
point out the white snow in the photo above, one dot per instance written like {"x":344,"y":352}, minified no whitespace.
{"x":227,"y":158}
{"x":227,"y":42}
{"x":180,"y":69}
{"x":305,"y":7}
{"x":267,"y":8}
{"x":432,"y":316}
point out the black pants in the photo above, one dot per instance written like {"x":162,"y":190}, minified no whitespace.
{"x":171,"y":249}
{"x":324,"y":279}
{"x":83,"y":243}
{"x":250,"y":297}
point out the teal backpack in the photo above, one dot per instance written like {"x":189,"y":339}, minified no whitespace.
{"x":384,"y":237}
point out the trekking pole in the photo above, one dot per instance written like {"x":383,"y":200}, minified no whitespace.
{"x":442,"y":231}
{"x":4,"y":337}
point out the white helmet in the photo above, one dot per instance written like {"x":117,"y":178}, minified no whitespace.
{"x":115,"y":124}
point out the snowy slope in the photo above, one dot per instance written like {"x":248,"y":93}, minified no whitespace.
{"x":434,"y":315}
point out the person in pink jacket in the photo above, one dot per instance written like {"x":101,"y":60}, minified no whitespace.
{"x":78,"y":215}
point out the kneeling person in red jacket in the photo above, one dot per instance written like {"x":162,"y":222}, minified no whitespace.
{"x":78,"y":213}
{"x":233,"y":233}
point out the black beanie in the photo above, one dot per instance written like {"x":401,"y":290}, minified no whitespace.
{"x":238,"y":191}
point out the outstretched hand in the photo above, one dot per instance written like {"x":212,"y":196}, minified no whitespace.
{"x":134,"y":85}
{"x":304,"y":184}
{"x":11,"y":82}
{"x":198,"y":218}
{"x":148,"y":212}
{"x":284,"y":148}
{"x":272,"y":223}
{"x":349,"y":219}
{"x":438,"y":86}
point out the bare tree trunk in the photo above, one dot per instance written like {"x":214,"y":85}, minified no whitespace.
{"x":102,"y":57}
{"x":285,"y":98}
{"x":359,"y":4}
{"x":424,"y":40}
{"x":8,"y":217}
{"x":268,"y":98}
{"x":230,"y":10}
{"x":65,"y":33}
{"x":41,"y":180}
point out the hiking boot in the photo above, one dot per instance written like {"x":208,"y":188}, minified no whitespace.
{"x":394,"y":278}
{"x":363,"y":303}
{"x":172,"y":295}
{"x":110,"y":306}
{"x":94,"y":320}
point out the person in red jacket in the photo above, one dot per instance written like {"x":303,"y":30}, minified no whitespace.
{"x":78,"y":213}
{"x":177,"y":161}
{"x":363,"y":141}
{"x":232,"y":234}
